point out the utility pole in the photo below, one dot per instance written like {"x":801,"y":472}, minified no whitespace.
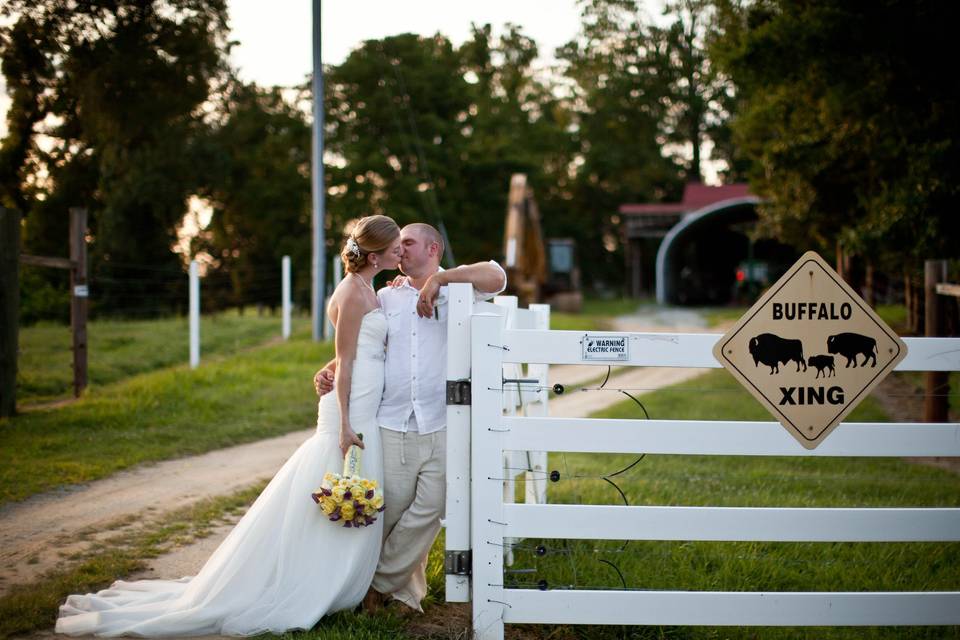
{"x":318,"y":291}
{"x":9,"y":308}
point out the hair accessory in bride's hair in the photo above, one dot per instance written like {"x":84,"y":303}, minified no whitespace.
{"x":353,"y":247}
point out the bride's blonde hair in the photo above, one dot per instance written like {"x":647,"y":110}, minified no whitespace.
{"x":371,"y":234}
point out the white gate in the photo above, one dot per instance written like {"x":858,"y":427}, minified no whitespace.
{"x":492,"y":520}
{"x":530,"y":463}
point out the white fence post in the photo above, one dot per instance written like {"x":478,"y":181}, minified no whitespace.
{"x":486,"y":457}
{"x":194,"y":315}
{"x":512,"y":400}
{"x":536,"y":485}
{"x":337,"y":270}
{"x":457,"y":519}
{"x":285,"y":303}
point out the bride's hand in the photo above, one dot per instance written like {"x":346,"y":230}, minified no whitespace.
{"x":347,"y":438}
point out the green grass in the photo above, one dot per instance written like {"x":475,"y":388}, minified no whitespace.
{"x":743,"y":481}
{"x":719,"y":315}
{"x":595,"y":314}
{"x":162,"y":414}
{"x":118,"y":349}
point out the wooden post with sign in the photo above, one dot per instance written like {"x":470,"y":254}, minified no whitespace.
{"x":9,"y":308}
{"x":79,"y":296}
{"x":937,"y":383}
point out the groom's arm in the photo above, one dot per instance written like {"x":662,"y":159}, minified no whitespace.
{"x":484,"y":276}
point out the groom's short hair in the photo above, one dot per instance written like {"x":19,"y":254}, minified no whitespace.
{"x":429,"y":234}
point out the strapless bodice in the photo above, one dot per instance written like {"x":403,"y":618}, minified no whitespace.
{"x":372,"y":340}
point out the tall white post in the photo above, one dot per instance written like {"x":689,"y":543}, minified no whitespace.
{"x":285,"y":302}
{"x":536,"y":485}
{"x":511,"y":401}
{"x":486,"y":465}
{"x":457,"y":537}
{"x":194,"y":314}
{"x":337,"y":269}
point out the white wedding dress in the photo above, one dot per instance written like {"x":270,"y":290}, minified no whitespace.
{"x":284,"y":566}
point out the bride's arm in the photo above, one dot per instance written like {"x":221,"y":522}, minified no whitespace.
{"x":348,"y":332}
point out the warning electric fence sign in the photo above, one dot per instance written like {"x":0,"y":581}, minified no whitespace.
{"x":810,"y":350}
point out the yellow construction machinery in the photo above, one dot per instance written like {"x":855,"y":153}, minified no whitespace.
{"x":537,"y":272}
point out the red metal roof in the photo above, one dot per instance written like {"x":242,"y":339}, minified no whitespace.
{"x":695,"y":196}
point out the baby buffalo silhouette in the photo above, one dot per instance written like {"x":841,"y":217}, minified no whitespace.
{"x":771,"y":350}
{"x":850,"y":345}
{"x":822,"y":362}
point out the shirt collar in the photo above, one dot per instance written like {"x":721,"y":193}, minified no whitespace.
{"x":406,"y":285}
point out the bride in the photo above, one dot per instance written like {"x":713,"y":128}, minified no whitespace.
{"x":284,"y":566}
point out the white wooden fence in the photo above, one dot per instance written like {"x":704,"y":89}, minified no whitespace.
{"x":490,"y":520}
{"x":529,"y":462}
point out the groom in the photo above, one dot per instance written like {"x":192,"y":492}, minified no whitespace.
{"x":412,"y":414}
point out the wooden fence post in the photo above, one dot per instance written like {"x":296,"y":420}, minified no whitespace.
{"x":9,"y":308}
{"x":937,"y":383}
{"x":79,"y":296}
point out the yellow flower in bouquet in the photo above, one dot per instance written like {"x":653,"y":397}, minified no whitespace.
{"x":347,"y":497}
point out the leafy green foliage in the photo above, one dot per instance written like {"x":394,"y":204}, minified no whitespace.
{"x":848,"y":122}
{"x":162,"y":414}
{"x":115,"y":87}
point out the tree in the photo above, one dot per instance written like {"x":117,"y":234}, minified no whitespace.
{"x":849,"y":123}
{"x":620,"y":89}
{"x":116,"y":89}
{"x":394,"y":110}
{"x":258,"y":184}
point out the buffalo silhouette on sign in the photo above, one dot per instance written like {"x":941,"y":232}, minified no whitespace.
{"x":772,"y":350}
{"x":851,"y":345}
{"x":822,"y":363}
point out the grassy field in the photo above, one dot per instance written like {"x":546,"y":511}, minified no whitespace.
{"x":741,"y":482}
{"x":162,"y":414}
{"x":118,"y":349}
{"x":595,"y":314}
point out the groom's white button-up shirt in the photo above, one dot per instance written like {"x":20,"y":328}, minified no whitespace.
{"x":415,"y":381}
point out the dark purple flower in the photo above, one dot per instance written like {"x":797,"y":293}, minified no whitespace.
{"x":382,"y":508}
{"x":347,"y":495}
{"x":316,"y":497}
{"x":326,"y":492}
{"x":369,"y":494}
{"x":347,"y":524}
{"x":335,"y":516}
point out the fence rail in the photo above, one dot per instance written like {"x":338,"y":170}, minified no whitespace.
{"x":494,"y":522}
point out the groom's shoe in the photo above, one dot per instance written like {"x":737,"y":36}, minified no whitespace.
{"x":373,"y":601}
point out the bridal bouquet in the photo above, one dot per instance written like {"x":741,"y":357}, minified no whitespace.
{"x":347,"y":497}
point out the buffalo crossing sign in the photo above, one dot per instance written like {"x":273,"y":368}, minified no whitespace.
{"x":810,"y":350}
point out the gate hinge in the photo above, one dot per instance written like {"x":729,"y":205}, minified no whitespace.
{"x":457,"y":563}
{"x":458,"y":391}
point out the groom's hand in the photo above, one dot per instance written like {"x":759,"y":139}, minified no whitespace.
{"x":428,"y":295}
{"x":323,"y":382}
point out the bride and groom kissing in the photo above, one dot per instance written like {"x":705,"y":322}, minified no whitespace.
{"x":285,"y":565}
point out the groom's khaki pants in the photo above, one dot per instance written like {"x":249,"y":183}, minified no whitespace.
{"x":414,"y":491}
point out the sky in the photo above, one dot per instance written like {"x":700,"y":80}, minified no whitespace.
{"x":276,"y":37}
